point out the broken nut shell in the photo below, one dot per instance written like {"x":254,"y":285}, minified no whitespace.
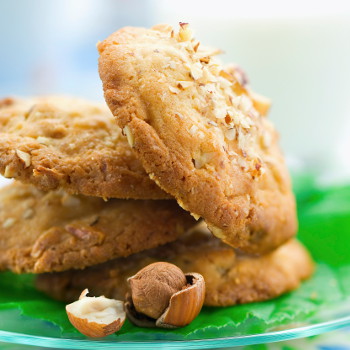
{"x":185,"y":305}
{"x":96,"y":317}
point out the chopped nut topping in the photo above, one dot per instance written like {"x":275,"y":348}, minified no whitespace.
{"x":70,"y":201}
{"x":193,"y":129}
{"x":242,"y":163}
{"x":205,"y":59}
{"x":196,"y":45}
{"x":174,"y":90}
{"x":129,"y":136}
{"x":227,"y":76}
{"x":232,"y":153}
{"x":201,"y":135}
{"x":28,"y":213}
{"x":221,"y":112}
{"x":225,"y":103}
{"x":196,"y":71}
{"x":179,"y":115}
{"x":184,"y":84}
{"x":231,"y":134}
{"x":266,"y":139}
{"x":170,"y":64}
{"x":8,"y":223}
{"x":245,"y":104}
{"x":241,"y":141}
{"x":43,"y":140}
{"x":214,"y":69}
{"x":185,"y":33}
{"x":9,"y":172}
{"x":246,"y":123}
{"x":210,"y":88}
{"x":203,"y":159}
{"x":25,"y":157}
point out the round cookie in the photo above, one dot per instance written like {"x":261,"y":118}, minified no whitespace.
{"x":55,"y":231}
{"x":200,"y":133}
{"x":70,"y":143}
{"x":230,"y":277}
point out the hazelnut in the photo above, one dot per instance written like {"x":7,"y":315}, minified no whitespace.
{"x":156,"y":282}
{"x":96,"y":317}
{"x":163,"y":296}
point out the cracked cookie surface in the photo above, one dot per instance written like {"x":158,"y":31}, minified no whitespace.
{"x":200,"y":134}
{"x":56,"y":231}
{"x":64,"y":142}
{"x":230,"y":277}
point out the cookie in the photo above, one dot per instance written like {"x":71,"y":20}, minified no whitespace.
{"x":200,"y":134}
{"x":230,"y":277}
{"x":70,"y":143}
{"x":55,"y":231}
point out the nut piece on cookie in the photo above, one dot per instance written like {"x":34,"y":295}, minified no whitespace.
{"x":200,"y":133}
{"x":64,"y":142}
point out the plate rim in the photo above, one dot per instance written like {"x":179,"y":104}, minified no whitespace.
{"x":252,"y":339}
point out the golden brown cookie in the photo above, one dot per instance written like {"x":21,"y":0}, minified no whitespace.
{"x":230,"y":277}
{"x":200,"y":134}
{"x":70,"y":143}
{"x":55,"y":231}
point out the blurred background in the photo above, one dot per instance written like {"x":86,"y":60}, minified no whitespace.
{"x":297,"y":53}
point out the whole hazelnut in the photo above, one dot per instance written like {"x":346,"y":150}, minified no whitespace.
{"x":163,"y":296}
{"x":153,"y":286}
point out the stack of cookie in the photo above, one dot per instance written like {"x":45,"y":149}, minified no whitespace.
{"x":194,"y":176}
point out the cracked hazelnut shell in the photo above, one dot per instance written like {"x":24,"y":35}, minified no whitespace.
{"x":96,"y":317}
{"x":184,"y":306}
